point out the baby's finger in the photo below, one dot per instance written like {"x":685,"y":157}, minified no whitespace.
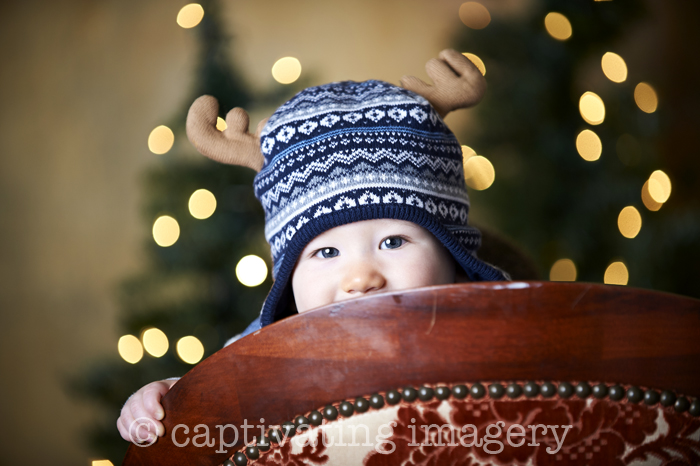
{"x":145,"y":430}
{"x":152,"y":394}
{"x":143,"y":424}
{"x":125,"y":420}
{"x":122,"y":430}
{"x":140,"y":431}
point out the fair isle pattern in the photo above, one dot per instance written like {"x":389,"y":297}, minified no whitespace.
{"x":367,"y":179}
{"x":451,"y":214}
{"x":346,"y":152}
{"x":346,"y":97}
{"x":323,"y":162}
{"x":342,"y":146}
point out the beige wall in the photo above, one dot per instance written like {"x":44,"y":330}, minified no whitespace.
{"x":82,"y":83}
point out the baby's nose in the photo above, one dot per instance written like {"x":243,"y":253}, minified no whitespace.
{"x":363,"y":277}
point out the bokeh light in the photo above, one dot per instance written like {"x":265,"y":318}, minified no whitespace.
{"x":629,"y":222}
{"x":161,"y":140}
{"x":479,"y":173}
{"x":166,"y":231}
{"x":155,"y":342}
{"x":130,"y":349}
{"x":646,"y":98}
{"x":202,"y":204}
{"x":190,"y":15}
{"x":648,"y":201}
{"x":467,"y":153}
{"x":477,"y":61}
{"x":558,"y":26}
{"x":286,"y":70}
{"x":592,"y":108}
{"x":251,"y":270}
{"x":656,"y":190}
{"x":190,"y":349}
{"x":616,"y":274}
{"x":474,"y":15}
{"x":614,"y":67}
{"x":659,"y":186}
{"x":588,"y":145}
{"x":563,"y":270}
{"x":102,"y":463}
{"x":221,"y":124}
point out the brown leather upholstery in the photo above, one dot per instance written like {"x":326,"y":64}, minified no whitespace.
{"x":517,"y":331}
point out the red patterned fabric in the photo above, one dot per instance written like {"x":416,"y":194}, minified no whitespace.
{"x":283,"y":455}
{"x":601,"y":432}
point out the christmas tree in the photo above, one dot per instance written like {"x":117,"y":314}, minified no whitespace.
{"x":579,"y":181}
{"x":207,"y":241}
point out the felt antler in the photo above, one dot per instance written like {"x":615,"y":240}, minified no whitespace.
{"x":233,"y":146}
{"x":458,"y":83}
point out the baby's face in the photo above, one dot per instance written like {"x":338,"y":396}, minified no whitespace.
{"x":366,"y":257}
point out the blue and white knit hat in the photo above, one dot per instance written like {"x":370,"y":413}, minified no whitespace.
{"x":346,"y":152}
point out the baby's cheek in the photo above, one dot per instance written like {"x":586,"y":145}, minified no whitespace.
{"x":425,"y":271}
{"x":311,"y":290}
{"x":438,"y":269}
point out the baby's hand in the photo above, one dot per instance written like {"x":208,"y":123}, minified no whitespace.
{"x":141,"y":415}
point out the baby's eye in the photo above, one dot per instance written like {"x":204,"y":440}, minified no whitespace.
{"x":327,"y":253}
{"x":392,"y":242}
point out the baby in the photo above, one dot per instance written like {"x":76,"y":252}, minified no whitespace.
{"x":363,"y":190}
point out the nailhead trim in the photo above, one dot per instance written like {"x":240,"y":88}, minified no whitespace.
{"x":477,"y":391}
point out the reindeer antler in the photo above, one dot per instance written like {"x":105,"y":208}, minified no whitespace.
{"x":458,"y":83}
{"x":235,"y":145}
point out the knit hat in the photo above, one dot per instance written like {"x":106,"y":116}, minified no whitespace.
{"x":352,"y":151}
